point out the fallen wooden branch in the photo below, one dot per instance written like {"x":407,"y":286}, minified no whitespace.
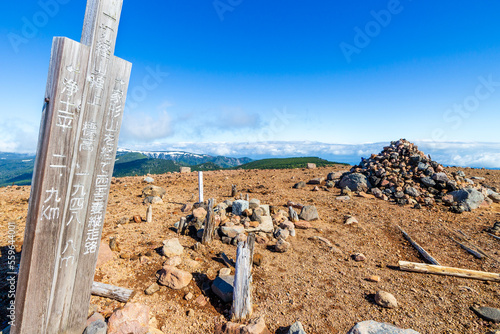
{"x":448,"y":271}
{"x":110,"y":291}
{"x":473,"y":252}
{"x":325,"y":240}
{"x":422,"y":251}
{"x":494,"y":236}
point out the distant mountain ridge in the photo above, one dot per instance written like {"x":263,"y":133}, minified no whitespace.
{"x":187,"y":158}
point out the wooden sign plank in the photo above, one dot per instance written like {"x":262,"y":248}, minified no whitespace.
{"x":86,"y":89}
{"x":52,"y":173}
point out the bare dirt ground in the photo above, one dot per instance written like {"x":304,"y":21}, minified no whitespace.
{"x":326,"y":290}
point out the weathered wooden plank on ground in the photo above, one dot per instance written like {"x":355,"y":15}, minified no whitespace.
{"x":448,"y":271}
{"x":110,"y":291}
{"x":242,"y":307}
{"x":422,"y":251}
{"x":86,"y":90}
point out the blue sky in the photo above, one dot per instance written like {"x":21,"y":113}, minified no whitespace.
{"x":232,"y":71}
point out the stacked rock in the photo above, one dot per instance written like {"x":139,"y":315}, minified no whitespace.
{"x":404,"y":174}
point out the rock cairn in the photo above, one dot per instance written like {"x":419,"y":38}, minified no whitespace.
{"x":405,"y":175}
{"x":235,"y":219}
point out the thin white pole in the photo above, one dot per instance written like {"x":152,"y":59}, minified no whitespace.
{"x":200,"y":185}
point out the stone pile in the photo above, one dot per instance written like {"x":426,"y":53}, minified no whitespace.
{"x":405,"y":175}
{"x":234,"y":219}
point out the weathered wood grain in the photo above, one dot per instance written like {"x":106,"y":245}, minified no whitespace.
{"x":58,"y":132}
{"x":86,"y":89}
{"x":448,"y":271}
{"x":110,"y":291}
{"x":242,"y":307}
{"x":208,"y":230}
{"x":422,"y":251}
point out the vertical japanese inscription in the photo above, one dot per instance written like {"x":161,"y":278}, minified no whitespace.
{"x":87,"y":86}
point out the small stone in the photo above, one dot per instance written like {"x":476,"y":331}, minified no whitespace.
{"x":373,"y":278}
{"x":96,"y":316}
{"x":174,"y":278}
{"x":188,"y":296}
{"x":137,"y":219}
{"x":152,"y":289}
{"x":350,"y":220}
{"x":201,"y":300}
{"x":190,"y":312}
{"x":282,"y":246}
{"x":232,"y":231}
{"x":266,"y":224}
{"x":153,"y":200}
{"x":299,"y":185}
{"x":257,"y":259}
{"x":254,"y":203}
{"x":303,"y":225}
{"x":225,"y":272}
{"x":96,"y":327}
{"x":247,"y":212}
{"x":256,"y":326}
{"x":184,"y":170}
{"x":373,"y":327}
{"x":132,"y":318}
{"x":172,"y":247}
{"x":385,"y":299}
{"x":239,"y":206}
{"x":281,"y":234}
{"x":223,"y":287}
{"x":187,"y":207}
{"x":316,"y":180}
{"x":199,"y":213}
{"x":173,"y":261}
{"x":296,"y":328}
{"x":309,"y":213}
{"x":267,"y":211}
{"x":343,"y":198}
{"x":104,"y":255}
{"x":315,"y":188}
{"x":355,"y":182}
{"x":311,"y":165}
{"x":358,"y":257}
{"x":113,"y":244}
{"x":153,"y":191}
{"x":488,"y":313}
{"x":253,"y":224}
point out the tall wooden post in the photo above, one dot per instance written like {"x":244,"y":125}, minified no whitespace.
{"x":85,"y":99}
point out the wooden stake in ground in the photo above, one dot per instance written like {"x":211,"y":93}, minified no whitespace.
{"x":200,"y":186}
{"x":242,"y":308}
{"x":149,"y":214}
{"x":422,"y":251}
{"x":208,"y":230}
{"x":182,"y":225}
{"x":448,"y":271}
{"x":81,"y":119}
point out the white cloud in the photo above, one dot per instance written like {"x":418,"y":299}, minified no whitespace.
{"x":18,"y":136}
{"x":143,"y":127}
{"x":455,"y":154}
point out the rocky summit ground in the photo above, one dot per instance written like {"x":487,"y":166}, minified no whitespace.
{"x":321,"y":286}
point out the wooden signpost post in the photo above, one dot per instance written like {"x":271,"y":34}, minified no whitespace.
{"x":84,"y":103}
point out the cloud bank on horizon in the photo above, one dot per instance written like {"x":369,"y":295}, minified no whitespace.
{"x":463,"y":154}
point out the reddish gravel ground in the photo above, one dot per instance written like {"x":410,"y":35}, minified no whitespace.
{"x":322,"y":287}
